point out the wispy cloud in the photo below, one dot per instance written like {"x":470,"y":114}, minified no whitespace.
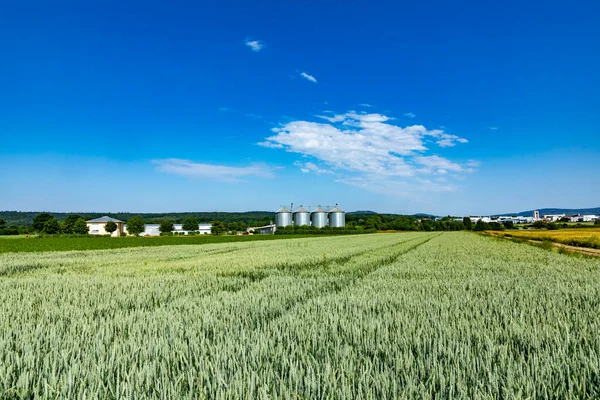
{"x":493,"y":128}
{"x":312,"y":167}
{"x":370,"y":147}
{"x":225,"y":173}
{"x":366,"y":105}
{"x":255,"y":116}
{"x":224,"y":109}
{"x":255,"y":45}
{"x":409,"y":115}
{"x":308,"y":77}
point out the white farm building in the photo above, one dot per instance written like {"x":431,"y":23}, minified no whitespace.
{"x":96,"y":226}
{"x":152,"y":229}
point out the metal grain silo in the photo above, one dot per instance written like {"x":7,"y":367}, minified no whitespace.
{"x":337,"y":217}
{"x":301,"y":217}
{"x":318,"y":217}
{"x":283,"y":217}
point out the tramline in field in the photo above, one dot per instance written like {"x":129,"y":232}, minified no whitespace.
{"x":417,"y":315}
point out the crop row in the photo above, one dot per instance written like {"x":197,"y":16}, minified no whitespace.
{"x":418,"y":315}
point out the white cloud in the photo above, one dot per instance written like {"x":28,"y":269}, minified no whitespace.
{"x":493,"y":128}
{"x":432,"y":163}
{"x":312,"y":167}
{"x":255,"y":116}
{"x":211,"y":171}
{"x":409,"y":115}
{"x":366,"y":105}
{"x":335,"y":118}
{"x":371,"y":150}
{"x":308,"y":77}
{"x":255,"y":45}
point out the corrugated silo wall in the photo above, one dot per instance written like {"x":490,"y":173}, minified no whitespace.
{"x":319,"y":219}
{"x":337,"y":219}
{"x":301,"y":218}
{"x":283,"y":219}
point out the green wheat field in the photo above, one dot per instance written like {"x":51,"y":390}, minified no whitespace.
{"x":381,"y":316}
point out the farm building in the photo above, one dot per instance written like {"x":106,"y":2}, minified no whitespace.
{"x":152,"y":229}
{"x":96,"y":226}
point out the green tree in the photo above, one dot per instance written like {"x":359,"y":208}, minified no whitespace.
{"x":480,"y":226}
{"x":51,"y":226}
{"x":468,"y":223}
{"x":110,"y":227}
{"x":136,"y":225}
{"x":69,"y":223}
{"x":597,"y":221}
{"x":190,"y":224}
{"x":80,"y":227}
{"x":40,"y":220}
{"x":509,"y":225}
{"x":167,"y":226}
{"x":218,"y":228}
{"x":2,"y":223}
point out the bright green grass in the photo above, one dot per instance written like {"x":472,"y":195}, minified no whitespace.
{"x":408,"y":315}
{"x":35,"y":244}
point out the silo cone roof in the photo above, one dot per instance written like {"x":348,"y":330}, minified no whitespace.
{"x":319,"y":210}
{"x":337,"y":209}
{"x":302,"y":210}
{"x":282,"y":210}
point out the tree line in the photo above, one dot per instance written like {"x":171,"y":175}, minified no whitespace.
{"x":46,"y":223}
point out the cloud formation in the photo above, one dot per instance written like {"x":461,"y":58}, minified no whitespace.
{"x":308,"y":77}
{"x":255,"y":45}
{"x":225,"y":173}
{"x":312,"y":167}
{"x":371,"y":149}
{"x":409,"y":115}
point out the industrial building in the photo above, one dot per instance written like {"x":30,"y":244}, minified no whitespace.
{"x":319,"y":217}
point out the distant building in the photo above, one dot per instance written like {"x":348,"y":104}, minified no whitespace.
{"x":263,"y":230}
{"x":583,"y":218}
{"x":97,"y":226}
{"x":536,"y":215}
{"x":553,"y":217}
{"x":152,"y":229}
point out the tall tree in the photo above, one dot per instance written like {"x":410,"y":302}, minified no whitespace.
{"x":69,"y":223}
{"x":218,"y":228}
{"x":166,"y":226}
{"x":80,"y":227}
{"x":190,"y":224}
{"x":136,"y":225}
{"x":40,"y":220}
{"x":468,"y":223}
{"x":110,"y":227}
{"x":51,"y":226}
{"x":2,"y":223}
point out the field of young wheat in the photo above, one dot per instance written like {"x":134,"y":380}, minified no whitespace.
{"x":407,"y":315}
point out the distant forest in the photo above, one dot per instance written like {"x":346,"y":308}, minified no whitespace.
{"x":250,"y":218}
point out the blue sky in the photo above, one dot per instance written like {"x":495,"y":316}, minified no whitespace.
{"x":437,"y":107}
